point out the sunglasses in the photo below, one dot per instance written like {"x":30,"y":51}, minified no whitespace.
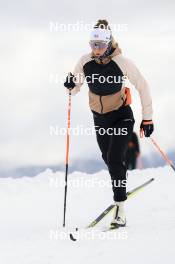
{"x":98,"y":45}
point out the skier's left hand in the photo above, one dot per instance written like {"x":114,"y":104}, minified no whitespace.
{"x":146,"y":127}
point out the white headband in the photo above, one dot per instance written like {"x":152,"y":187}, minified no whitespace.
{"x":99,"y":34}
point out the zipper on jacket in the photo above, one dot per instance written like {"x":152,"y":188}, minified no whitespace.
{"x":101,"y":104}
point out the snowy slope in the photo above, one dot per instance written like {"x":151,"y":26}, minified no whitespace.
{"x":31,"y":212}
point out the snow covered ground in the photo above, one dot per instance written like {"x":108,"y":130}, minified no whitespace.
{"x":31,"y":212}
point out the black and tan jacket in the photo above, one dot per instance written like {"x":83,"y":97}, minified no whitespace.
{"x":108,"y":92}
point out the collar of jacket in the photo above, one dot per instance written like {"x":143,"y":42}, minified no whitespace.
{"x":106,"y":60}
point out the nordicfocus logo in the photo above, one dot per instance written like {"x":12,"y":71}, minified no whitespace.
{"x":95,"y":77}
{"x":88,"y":234}
{"x":80,"y":130}
{"x":82,"y":26}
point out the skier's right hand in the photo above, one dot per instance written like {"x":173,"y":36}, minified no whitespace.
{"x":69,"y":83}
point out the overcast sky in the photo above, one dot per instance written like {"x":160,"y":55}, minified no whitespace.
{"x":31,"y":54}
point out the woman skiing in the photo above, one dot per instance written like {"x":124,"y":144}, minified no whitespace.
{"x":105,"y":69}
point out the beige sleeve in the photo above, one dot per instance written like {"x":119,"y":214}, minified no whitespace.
{"x":136,"y":78}
{"x":78,"y":72}
{"x":79,"y":77}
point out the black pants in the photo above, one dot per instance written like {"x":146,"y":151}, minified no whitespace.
{"x":113,"y":146}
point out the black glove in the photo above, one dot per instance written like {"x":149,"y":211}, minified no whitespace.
{"x":69,"y":83}
{"x":147,"y":127}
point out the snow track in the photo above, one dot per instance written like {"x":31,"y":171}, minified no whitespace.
{"x":31,"y":211}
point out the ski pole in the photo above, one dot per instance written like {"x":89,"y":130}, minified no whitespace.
{"x":165,"y":157}
{"x":67,"y":156}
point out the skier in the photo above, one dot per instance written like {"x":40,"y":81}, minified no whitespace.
{"x":133,"y":152}
{"x":105,"y":70}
